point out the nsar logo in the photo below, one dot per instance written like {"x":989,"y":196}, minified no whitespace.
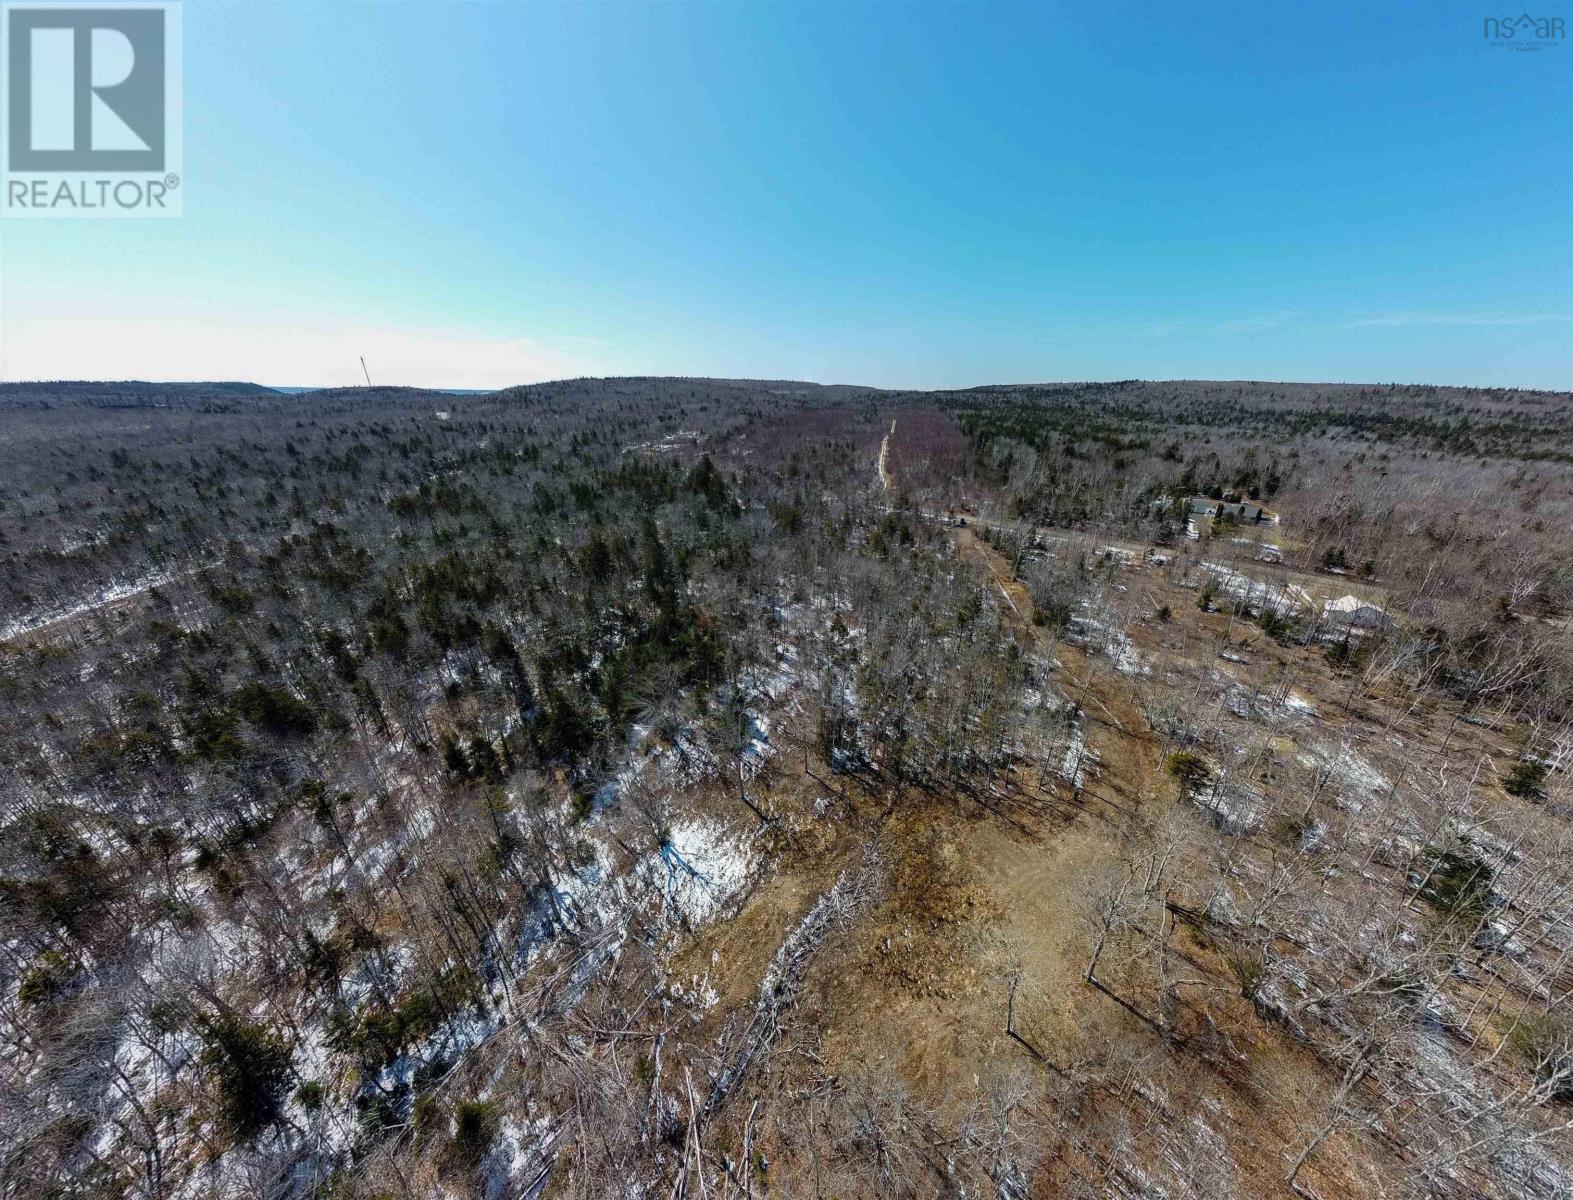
{"x":1525,"y":32}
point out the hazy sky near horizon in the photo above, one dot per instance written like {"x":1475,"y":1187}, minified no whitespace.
{"x":928,"y":195}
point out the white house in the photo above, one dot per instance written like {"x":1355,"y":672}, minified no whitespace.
{"x":1355,"y":613}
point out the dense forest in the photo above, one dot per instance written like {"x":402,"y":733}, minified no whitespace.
{"x":711,"y":788}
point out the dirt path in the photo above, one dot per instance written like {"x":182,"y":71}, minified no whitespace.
{"x":1038,"y":879}
{"x":1262,"y":572}
{"x":882,"y":470}
{"x":994,"y":566}
{"x":1117,"y":729}
{"x":114,"y":599}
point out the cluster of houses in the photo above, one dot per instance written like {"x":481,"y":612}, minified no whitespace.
{"x":1348,"y":612}
{"x":1242,"y":512}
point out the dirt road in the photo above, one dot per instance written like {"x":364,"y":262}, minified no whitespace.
{"x":881,"y":468}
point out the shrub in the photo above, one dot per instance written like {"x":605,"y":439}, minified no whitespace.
{"x":309,"y":1095}
{"x":1546,"y":1043}
{"x":474,"y":1129}
{"x":1189,"y":768}
{"x":275,"y":710}
{"x":1527,"y":779}
{"x":1287,"y":827}
{"x":1249,"y":968}
{"x":1457,"y":884}
{"x":427,"y":1116}
{"x":1054,"y":588}
{"x":454,"y":759}
{"x":1347,"y":655}
{"x":45,"y":981}
{"x":379,"y":1112}
{"x":382,"y":1032}
{"x":1052,"y":616}
{"x":233,"y":598}
{"x":1273,"y":624}
{"x":252,"y":1066}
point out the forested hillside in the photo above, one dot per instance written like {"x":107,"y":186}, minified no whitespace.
{"x":679,"y":787}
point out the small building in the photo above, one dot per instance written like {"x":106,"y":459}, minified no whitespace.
{"x":1355,"y":613}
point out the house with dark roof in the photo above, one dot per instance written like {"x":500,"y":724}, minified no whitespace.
{"x":1355,"y":613}
{"x":1244,"y":512}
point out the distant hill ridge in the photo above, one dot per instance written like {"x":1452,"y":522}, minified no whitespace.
{"x":129,"y":393}
{"x":1159,"y":396}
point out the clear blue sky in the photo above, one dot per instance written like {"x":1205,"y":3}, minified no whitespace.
{"x":896,"y":194}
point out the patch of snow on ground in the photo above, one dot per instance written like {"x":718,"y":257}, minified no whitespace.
{"x":758,"y":748}
{"x":1101,"y":633}
{"x":1352,"y":772}
{"x":1532,"y":1174}
{"x":1249,"y":705}
{"x":1297,"y":703}
{"x":1234,"y":808}
{"x":704,"y":868}
{"x":1079,"y":761}
{"x":1284,"y":599}
{"x":113,"y":593}
{"x":521,"y":1158}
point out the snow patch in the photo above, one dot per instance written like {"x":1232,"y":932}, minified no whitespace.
{"x":703,"y":869}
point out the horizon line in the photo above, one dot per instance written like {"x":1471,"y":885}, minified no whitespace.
{"x":303,"y":389}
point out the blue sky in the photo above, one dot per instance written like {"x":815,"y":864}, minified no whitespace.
{"x":910,"y":194}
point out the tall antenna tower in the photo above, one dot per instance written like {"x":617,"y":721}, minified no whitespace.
{"x":364,"y":371}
